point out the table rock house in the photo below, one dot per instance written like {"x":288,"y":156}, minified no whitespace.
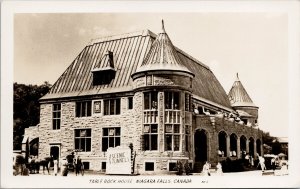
{"x":139,"y":88}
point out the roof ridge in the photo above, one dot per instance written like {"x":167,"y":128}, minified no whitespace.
{"x":145,"y":32}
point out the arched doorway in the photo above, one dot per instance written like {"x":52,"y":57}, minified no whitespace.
{"x":223,"y":143}
{"x":34,"y":147}
{"x":243,"y":146}
{"x":200,"y":143}
{"x":251,"y":146}
{"x":258,"y":147}
{"x":233,"y":145}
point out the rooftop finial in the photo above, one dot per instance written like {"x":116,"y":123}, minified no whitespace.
{"x":237,"y":76}
{"x":163,"y":26}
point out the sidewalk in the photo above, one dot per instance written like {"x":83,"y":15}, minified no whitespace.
{"x":96,"y":173}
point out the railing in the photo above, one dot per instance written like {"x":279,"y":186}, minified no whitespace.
{"x":172,"y":116}
{"x":150,"y":116}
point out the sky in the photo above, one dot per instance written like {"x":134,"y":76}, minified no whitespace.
{"x":253,"y":44}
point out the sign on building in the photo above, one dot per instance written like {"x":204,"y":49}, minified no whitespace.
{"x":118,"y":160}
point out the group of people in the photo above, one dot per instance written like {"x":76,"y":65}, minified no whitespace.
{"x":207,"y":167}
{"x":74,"y":163}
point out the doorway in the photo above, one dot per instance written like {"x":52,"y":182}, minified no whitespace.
{"x":200,"y":143}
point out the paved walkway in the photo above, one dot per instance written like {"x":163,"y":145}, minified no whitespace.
{"x":245,"y":173}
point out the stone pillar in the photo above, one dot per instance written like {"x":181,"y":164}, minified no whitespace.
{"x":247,"y":146}
{"x":238,"y":148}
{"x":227,"y":146}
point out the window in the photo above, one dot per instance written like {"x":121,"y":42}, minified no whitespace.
{"x":150,"y":137}
{"x":83,"y":109}
{"x":188,"y":102}
{"x":130,"y":103}
{"x":103,"y":166}
{"x":150,"y":100}
{"x":112,"y":106}
{"x":97,"y":107}
{"x":149,"y":166}
{"x":56,"y":116}
{"x":172,"y":137}
{"x":172,"y":100}
{"x":86,"y":165}
{"x":111,"y":138}
{"x":83,"y":140}
{"x":172,"y":166}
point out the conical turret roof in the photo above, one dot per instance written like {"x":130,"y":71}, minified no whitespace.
{"x":163,"y":56}
{"x":238,"y":95}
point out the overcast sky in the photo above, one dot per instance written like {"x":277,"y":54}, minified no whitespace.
{"x":253,"y":44}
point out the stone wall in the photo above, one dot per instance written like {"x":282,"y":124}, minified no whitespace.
{"x":213,"y":125}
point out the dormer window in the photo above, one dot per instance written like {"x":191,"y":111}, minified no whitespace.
{"x":104,"y":71}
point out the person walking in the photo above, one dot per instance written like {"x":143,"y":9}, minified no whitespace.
{"x":55,"y":165}
{"x":219,"y":169}
{"x":78,"y":165}
{"x":262,"y":163}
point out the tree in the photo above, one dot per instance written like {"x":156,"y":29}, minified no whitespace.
{"x":26,"y":109}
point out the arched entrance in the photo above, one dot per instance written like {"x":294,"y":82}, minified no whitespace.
{"x":243,"y":146}
{"x":34,"y":147}
{"x":251,"y":146}
{"x":200,"y":143}
{"x":258,"y":147}
{"x":233,"y":145}
{"x":222,"y":143}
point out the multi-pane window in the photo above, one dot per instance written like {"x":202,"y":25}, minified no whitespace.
{"x":56,"y":116}
{"x":150,"y":100}
{"x":83,"y":140}
{"x":150,"y":137}
{"x":172,"y":100}
{"x":130,"y":102}
{"x":83,"y":109}
{"x":172,"y":137}
{"x":111,"y":138}
{"x":188,"y":102}
{"x":112,"y":106}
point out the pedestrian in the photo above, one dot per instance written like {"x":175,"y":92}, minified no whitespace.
{"x":55,"y":165}
{"x":273,"y":164}
{"x":219,"y":169}
{"x":78,"y":165}
{"x":262,"y":163}
{"x":64,"y":164}
{"x":205,"y":169}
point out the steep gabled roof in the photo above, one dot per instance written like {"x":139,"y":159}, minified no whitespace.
{"x":129,"y":51}
{"x":238,"y":95}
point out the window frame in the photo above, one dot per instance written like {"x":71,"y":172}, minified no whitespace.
{"x":56,"y":120}
{"x":116,"y":106}
{"x":81,"y":138}
{"x":108,"y":137}
{"x":153,"y":97}
{"x":130,"y":103}
{"x":171,"y":96}
{"x":172,"y":134}
{"x":150,"y":134}
{"x":87,"y":104}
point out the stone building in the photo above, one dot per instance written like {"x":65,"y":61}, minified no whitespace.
{"x":140,"y":89}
